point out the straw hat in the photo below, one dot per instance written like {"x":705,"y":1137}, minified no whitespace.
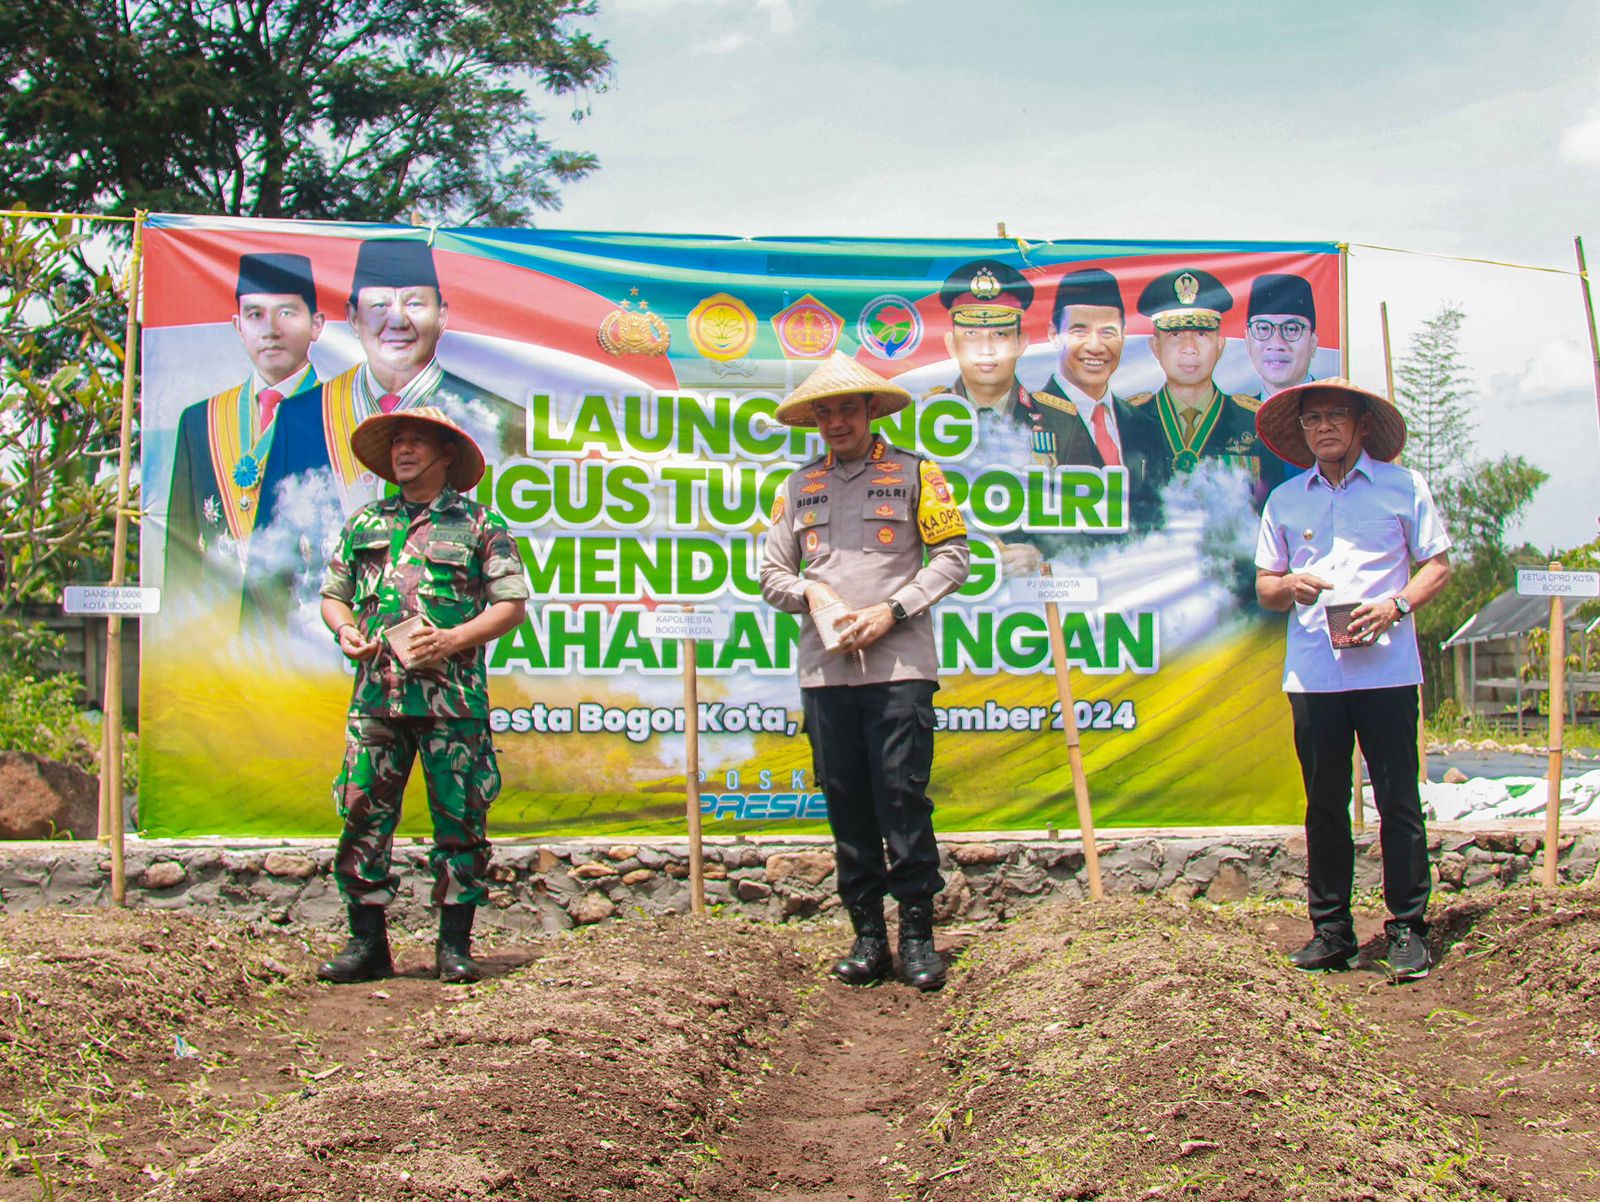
{"x":840,"y":375}
{"x":1278,"y":421}
{"x":372,"y":439}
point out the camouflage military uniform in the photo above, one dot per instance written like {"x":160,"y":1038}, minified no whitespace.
{"x":448,"y":560}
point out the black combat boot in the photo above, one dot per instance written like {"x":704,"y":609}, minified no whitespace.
{"x":453,"y":952}
{"x":366,"y":954}
{"x":868,"y":960}
{"x":921,"y":966}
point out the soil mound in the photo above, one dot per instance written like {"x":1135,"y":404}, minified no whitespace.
{"x":1142,"y":1049}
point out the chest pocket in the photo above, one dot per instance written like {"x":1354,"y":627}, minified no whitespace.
{"x":812,"y":530}
{"x":370,"y":549}
{"x":886,"y":524}
{"x":449,"y":587}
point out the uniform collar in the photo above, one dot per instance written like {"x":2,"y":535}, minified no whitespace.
{"x":1363,"y":464}
{"x":449,"y":498}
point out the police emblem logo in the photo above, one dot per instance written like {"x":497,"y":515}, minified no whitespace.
{"x":889,"y":326}
{"x":934,"y":479}
{"x":1186,"y":288}
{"x":811,"y":488}
{"x":811,"y":516}
{"x":886,"y":535}
{"x":884,"y":511}
{"x":629,"y":331}
{"x":807,"y":329}
{"x":812,"y":542}
{"x":722,"y":327}
{"x":778,"y":507}
{"x":984,"y":285}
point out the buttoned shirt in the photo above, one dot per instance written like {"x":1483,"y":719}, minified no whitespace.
{"x":1362,"y":537}
{"x":862,"y":527}
{"x":448,"y":560}
{"x":1086,"y":406}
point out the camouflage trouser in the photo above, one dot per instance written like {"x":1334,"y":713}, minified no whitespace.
{"x":463,"y":779}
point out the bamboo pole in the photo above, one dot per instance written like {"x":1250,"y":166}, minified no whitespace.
{"x":111,"y":765}
{"x":691,"y":770}
{"x":1558,"y":709}
{"x":1388,"y":375}
{"x":1588,"y":309}
{"x":1069,"y":724}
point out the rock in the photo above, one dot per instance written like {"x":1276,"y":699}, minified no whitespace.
{"x":290,"y":864}
{"x":501,"y":899}
{"x":749,"y":890}
{"x":622,"y":851}
{"x":163,"y":874}
{"x":1501,"y":841}
{"x":546,"y":861}
{"x":812,"y":867}
{"x":594,"y":870}
{"x":590,"y":908}
{"x":41,"y":799}
{"x":1454,"y":776}
{"x":503,"y":873}
{"x":714,"y":871}
{"x":1231,"y":884}
{"x":677,"y":870}
{"x":1452,"y":868}
{"x":956,"y":899}
{"x":1193,"y":1147}
{"x":638,"y":876}
{"x":1295,"y":845}
{"x":971,"y":854}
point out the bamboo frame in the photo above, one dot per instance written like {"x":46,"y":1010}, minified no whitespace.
{"x":1558,"y":709}
{"x":1069,"y":724}
{"x":691,"y":775}
{"x":1388,"y":375}
{"x":1588,"y":309}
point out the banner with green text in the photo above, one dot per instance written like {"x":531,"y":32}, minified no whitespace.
{"x":1091,"y":403}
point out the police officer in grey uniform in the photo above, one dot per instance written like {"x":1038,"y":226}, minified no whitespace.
{"x":875,"y":528}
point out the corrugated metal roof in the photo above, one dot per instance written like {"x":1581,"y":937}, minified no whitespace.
{"x":1506,"y":616}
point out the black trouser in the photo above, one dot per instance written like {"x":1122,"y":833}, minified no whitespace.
{"x":1325,"y":727}
{"x":872,"y":751}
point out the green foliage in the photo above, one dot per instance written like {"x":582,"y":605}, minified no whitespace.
{"x":40,"y":714}
{"x":61,"y":332}
{"x":1433,"y":392}
{"x":337,"y":109}
{"x":1485,"y":498}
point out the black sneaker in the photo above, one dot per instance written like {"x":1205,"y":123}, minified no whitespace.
{"x":1327,"y":950}
{"x":1408,"y":958}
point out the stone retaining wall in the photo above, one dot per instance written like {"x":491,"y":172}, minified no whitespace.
{"x":556,"y":885}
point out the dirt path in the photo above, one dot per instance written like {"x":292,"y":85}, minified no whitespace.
{"x":843,"y":1098}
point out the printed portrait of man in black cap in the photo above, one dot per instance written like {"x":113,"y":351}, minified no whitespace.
{"x":398,"y":312}
{"x":1193,"y":418}
{"x":1281,"y":331}
{"x":986,"y":299}
{"x":225,"y":443}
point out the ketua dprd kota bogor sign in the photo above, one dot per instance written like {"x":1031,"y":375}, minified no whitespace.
{"x":1092,"y":405}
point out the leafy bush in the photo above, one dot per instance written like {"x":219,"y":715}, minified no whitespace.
{"x":40,"y":714}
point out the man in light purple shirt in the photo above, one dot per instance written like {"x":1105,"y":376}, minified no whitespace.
{"x":1349,"y":530}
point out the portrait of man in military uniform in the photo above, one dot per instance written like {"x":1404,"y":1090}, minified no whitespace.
{"x":1193,"y":418}
{"x":398,"y":312}
{"x":1281,"y":329}
{"x":986,"y":299}
{"x":225,"y":442}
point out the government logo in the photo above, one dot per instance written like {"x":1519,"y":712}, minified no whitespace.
{"x":808,"y":329}
{"x":889,"y":326}
{"x":722,"y":327}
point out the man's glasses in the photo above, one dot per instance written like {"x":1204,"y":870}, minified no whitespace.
{"x":1334,"y":417}
{"x":1292,"y":330}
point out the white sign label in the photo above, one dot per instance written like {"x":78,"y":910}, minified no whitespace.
{"x":1074,"y":590}
{"x":681,"y":624}
{"x":97,"y":599}
{"x":1534,"y":583}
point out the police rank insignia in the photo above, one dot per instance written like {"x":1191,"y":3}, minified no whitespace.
{"x":809,"y":517}
{"x":722,"y":327}
{"x":807,"y":329}
{"x":817,"y":487}
{"x":886,"y":535}
{"x":628,"y":331}
{"x":884,"y":511}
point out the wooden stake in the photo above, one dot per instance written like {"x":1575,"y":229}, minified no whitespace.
{"x":1069,"y":724}
{"x":1344,"y":309}
{"x":1588,"y":309}
{"x":1358,"y":805}
{"x":111,"y":764}
{"x":691,"y":769}
{"x":1422,"y":727}
{"x":1558,"y":710}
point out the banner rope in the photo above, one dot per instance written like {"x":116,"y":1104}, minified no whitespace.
{"x":1428,"y":254}
{"x":31,"y":215}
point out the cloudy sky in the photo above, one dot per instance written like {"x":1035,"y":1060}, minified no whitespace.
{"x":1465,"y":129}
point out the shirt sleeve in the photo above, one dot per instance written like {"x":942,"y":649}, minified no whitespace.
{"x":339,"y":577}
{"x":1272,"y":552}
{"x":781,"y":584}
{"x":944,"y":533}
{"x":1427,"y":534}
{"x":503,"y":575}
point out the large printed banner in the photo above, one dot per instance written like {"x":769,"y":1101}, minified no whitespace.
{"x":1092,"y":405}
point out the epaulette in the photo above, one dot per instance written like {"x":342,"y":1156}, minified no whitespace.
{"x":942,"y":390}
{"x":1246,"y":400}
{"x":1056,"y":402}
{"x":1140,"y":398}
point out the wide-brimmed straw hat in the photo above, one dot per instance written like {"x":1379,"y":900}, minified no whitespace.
{"x":1278,"y":421}
{"x":372,"y":439}
{"x":840,"y":375}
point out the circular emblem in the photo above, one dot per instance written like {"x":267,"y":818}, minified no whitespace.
{"x":886,"y":535}
{"x":1186,"y":288}
{"x":808,"y":329}
{"x":627,"y":331}
{"x":811,"y":540}
{"x":722,"y":327}
{"x":984,"y":285}
{"x":811,"y":516}
{"x":889,"y":326}
{"x":247,"y":472}
{"x":1186,"y":461}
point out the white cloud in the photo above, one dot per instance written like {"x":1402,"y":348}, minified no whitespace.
{"x":1580,"y":143}
{"x":780,"y":12}
{"x":1559,"y":367}
{"x":726,"y":43}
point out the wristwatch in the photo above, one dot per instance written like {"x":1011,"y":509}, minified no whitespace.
{"x":898,"y":610}
{"x":1402,"y":605}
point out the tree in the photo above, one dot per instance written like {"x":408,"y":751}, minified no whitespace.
{"x":1434,"y":396}
{"x":336,"y":109}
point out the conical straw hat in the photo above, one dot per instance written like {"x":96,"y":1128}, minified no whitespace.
{"x":1278,"y":421}
{"x":840,"y":375}
{"x":371,"y":442}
